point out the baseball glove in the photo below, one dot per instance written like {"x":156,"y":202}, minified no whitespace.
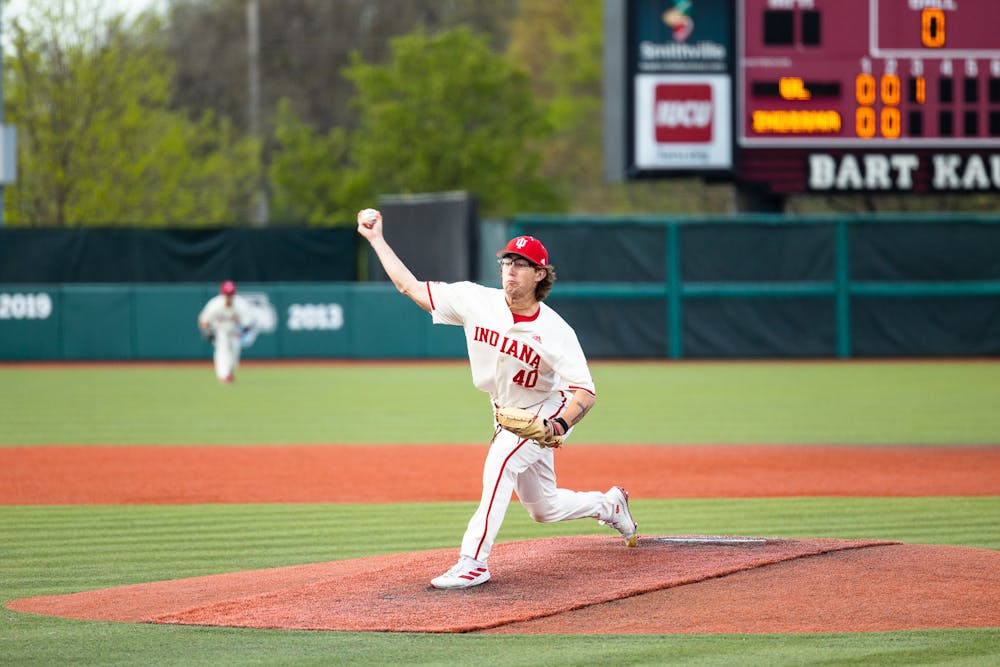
{"x":527,"y":424}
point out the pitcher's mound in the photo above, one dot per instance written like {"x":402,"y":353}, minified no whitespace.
{"x":586,"y":585}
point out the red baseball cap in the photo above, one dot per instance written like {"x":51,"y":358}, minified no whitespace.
{"x":528,"y":247}
{"x":228,"y":287}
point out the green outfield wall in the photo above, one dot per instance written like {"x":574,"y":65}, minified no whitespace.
{"x":633,"y":287}
{"x":107,"y":255}
{"x":765,"y":286}
{"x":146,"y":322}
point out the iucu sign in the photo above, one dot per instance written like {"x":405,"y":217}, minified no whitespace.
{"x":683,"y":113}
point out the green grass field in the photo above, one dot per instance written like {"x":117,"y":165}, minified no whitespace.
{"x":62,"y":549}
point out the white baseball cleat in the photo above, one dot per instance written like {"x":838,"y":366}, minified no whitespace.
{"x":621,"y":518}
{"x":467,"y":572}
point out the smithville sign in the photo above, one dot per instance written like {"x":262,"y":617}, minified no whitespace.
{"x":787,"y":171}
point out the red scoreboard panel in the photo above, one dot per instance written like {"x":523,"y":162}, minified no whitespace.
{"x":869,"y":95}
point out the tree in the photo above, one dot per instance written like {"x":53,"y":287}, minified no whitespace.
{"x":448,"y":113}
{"x":304,"y":45}
{"x":561,"y":45}
{"x":97,"y":143}
{"x":309,"y":173}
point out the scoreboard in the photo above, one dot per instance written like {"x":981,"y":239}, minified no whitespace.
{"x":868,"y":95}
{"x":869,"y":73}
{"x":813,"y":95}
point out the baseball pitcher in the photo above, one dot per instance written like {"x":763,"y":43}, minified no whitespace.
{"x":529,"y":361}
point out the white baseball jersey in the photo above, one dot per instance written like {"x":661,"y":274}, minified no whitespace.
{"x":527,"y":362}
{"x":518,"y":363}
{"x":224,"y":320}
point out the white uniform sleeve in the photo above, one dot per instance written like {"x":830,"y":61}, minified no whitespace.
{"x":450,"y":301}
{"x":572,"y":366}
{"x":208,"y":311}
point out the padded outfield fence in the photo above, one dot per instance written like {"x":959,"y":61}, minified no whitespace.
{"x":638,"y":287}
{"x":776,"y":286}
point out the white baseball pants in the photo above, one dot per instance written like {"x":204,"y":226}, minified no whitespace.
{"x":517,"y":464}
{"x":227,"y":355}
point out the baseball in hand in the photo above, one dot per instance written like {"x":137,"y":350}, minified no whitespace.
{"x":368,"y":217}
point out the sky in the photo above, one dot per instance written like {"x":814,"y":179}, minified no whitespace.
{"x":11,"y":8}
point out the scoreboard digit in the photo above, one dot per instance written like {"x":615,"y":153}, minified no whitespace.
{"x":833,"y":73}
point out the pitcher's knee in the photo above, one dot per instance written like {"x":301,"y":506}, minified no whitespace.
{"x":541,"y":512}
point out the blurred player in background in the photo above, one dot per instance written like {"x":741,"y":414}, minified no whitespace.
{"x":527,"y":358}
{"x":225,"y":321}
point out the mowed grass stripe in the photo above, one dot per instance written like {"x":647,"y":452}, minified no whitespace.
{"x":896,"y":403}
{"x":328,"y":532}
{"x":114,"y":643}
{"x":968,"y":521}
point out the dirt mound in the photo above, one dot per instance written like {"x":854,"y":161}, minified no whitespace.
{"x":586,"y":585}
{"x":879,"y":589}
